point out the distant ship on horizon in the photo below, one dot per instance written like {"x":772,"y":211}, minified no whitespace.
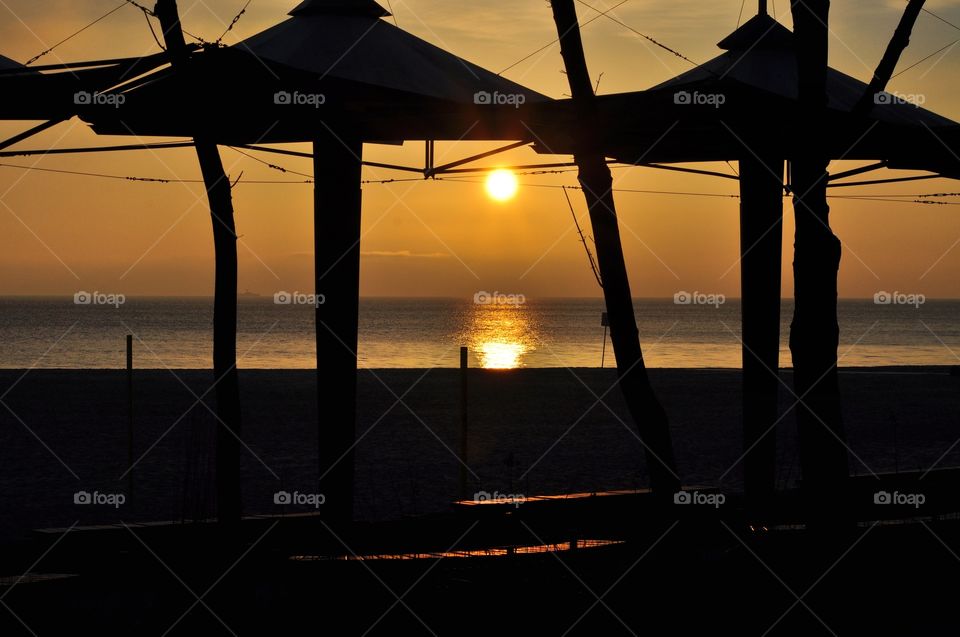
{"x":248,"y":293}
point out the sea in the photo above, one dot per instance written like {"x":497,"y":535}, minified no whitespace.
{"x":500,"y":332}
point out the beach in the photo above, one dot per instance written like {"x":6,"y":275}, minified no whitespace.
{"x":531,"y":432}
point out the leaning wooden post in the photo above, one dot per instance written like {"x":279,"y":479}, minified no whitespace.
{"x":337,"y":209}
{"x":597,"y":183}
{"x":815,"y":333}
{"x":899,"y":42}
{"x":761,"y":241}
{"x":225,"y":292}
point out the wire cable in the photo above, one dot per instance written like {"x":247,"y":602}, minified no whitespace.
{"x":944,"y":20}
{"x":642,"y":35}
{"x":75,"y":34}
{"x":552,"y":42}
{"x":924,"y":59}
{"x":233,"y":22}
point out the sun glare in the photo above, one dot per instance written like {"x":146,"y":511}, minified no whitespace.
{"x":501,"y":185}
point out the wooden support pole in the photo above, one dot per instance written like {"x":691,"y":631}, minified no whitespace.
{"x":227,"y":388}
{"x":337,"y":209}
{"x":597,"y":182}
{"x":815,"y":332}
{"x":464,"y":427}
{"x":130,"y":417}
{"x":761,"y":241}
{"x":224,"y":332}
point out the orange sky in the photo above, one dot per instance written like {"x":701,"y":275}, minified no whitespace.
{"x":60,"y":234}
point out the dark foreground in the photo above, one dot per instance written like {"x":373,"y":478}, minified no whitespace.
{"x":532,"y":432}
{"x":688,"y":577}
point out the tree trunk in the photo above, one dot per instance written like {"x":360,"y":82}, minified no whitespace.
{"x":225,"y":375}
{"x":815,"y":333}
{"x":597,"y":183}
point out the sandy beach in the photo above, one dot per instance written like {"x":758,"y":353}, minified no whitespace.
{"x":532,"y":431}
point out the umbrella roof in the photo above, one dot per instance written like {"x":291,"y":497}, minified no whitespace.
{"x":335,"y":64}
{"x":7,"y":63}
{"x":749,"y":99}
{"x":760,"y":55}
{"x":347,"y":39}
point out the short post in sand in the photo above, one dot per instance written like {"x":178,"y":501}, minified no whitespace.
{"x":605,"y":323}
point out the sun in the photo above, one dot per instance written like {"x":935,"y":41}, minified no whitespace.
{"x":501,"y":185}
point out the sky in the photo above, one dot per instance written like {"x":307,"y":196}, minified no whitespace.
{"x":63,"y":233}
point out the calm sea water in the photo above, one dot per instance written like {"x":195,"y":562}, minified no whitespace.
{"x":176,"y":332}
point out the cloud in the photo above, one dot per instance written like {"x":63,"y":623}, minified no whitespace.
{"x":404,"y":254}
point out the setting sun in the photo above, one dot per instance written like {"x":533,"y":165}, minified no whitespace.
{"x":501,"y":185}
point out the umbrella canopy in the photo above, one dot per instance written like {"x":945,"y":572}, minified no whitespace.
{"x":746,"y":98}
{"x":60,"y":91}
{"x":333,"y":64}
{"x":347,"y":39}
{"x":760,"y":55}
{"x":6,"y":63}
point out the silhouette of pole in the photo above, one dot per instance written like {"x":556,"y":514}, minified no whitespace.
{"x":464,"y":423}
{"x":337,"y":208}
{"x":225,"y":290}
{"x":895,"y":48}
{"x":130,"y":416}
{"x":597,"y":183}
{"x":814,"y":332}
{"x":761,"y":241}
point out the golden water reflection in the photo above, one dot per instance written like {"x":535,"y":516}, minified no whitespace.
{"x":504,"y":551}
{"x":501,"y":336}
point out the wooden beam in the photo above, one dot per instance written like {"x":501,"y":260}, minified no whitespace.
{"x":337,"y":209}
{"x":36,"y":130}
{"x":597,"y":182}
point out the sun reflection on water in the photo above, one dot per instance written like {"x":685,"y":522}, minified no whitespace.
{"x":501,"y":335}
{"x":501,"y":355}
